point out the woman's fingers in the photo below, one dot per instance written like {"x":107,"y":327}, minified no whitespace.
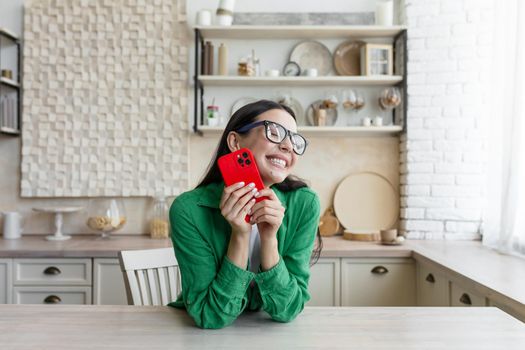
{"x":229,"y":190}
{"x":241,"y":203}
{"x":267,"y":192}
{"x":232,"y":196}
{"x":264,"y":212}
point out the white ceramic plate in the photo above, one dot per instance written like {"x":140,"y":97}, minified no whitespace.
{"x":295,"y":106}
{"x":366,"y":202}
{"x":331,"y":114}
{"x":243,"y":101}
{"x":312,"y":54}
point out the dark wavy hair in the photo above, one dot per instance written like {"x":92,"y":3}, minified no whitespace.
{"x":244,"y":116}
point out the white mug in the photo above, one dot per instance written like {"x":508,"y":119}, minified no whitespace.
{"x":12,"y":225}
{"x":378,"y":121}
{"x":204,"y":18}
{"x":272,"y":73}
{"x":366,"y":121}
{"x":310,"y":72}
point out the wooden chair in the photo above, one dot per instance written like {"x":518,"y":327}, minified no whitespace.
{"x":151,"y":276}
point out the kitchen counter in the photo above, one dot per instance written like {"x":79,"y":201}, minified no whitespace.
{"x":160,"y":327}
{"x":501,"y":277}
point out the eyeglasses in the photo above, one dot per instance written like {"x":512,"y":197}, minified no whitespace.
{"x":276,"y":133}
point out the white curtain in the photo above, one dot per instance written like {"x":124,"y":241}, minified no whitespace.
{"x":504,"y":219}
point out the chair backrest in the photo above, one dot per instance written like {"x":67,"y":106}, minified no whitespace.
{"x":151,"y":276}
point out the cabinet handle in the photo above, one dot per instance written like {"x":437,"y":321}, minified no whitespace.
{"x":465,"y":299}
{"x":52,"y":270}
{"x":379,"y":270}
{"x":52,"y":299}
{"x":430,"y":278}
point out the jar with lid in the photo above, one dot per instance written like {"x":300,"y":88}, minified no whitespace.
{"x":213,"y":116}
{"x":158,"y":223}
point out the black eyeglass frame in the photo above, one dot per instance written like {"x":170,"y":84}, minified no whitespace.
{"x":289,"y":133}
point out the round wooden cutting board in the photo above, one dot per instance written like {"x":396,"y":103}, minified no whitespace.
{"x":366,"y":202}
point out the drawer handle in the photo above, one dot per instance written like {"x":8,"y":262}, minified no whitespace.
{"x":465,"y":299}
{"x":430,"y":278}
{"x":52,"y":270}
{"x":52,"y":299}
{"x":379,"y":270}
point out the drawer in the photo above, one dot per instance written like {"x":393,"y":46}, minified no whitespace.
{"x":52,"y":295}
{"x":460,"y":296}
{"x":72,"y":271}
{"x":432,"y":287}
{"x":378,"y":282}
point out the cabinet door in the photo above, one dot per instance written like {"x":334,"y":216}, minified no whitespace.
{"x":378,"y":282}
{"x":461,"y":296}
{"x":324,"y":285}
{"x":108,"y":283}
{"x":5,"y":281}
{"x":52,"y":295}
{"x":432,"y":287}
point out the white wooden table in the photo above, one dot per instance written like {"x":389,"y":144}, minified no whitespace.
{"x":151,"y":327}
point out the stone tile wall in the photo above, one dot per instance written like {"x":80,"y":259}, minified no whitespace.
{"x":105,"y":98}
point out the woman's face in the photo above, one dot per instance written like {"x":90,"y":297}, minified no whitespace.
{"x":275,"y":161}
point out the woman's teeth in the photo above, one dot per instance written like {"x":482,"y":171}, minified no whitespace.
{"x":278,"y":162}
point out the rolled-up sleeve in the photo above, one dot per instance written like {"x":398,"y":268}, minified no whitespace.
{"x":214,"y":293}
{"x":284,"y":288}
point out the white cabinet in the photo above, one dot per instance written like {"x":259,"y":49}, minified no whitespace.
{"x":432,"y":287}
{"x":324,"y":285}
{"x":378,"y":282}
{"x":5,"y":281}
{"x":52,"y":281}
{"x":461,"y":296}
{"x":108,"y":283}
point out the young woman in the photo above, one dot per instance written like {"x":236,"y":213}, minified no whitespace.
{"x":228,"y":265}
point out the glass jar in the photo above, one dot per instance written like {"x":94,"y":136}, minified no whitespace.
{"x":106,"y":215}
{"x":213,"y":116}
{"x":159,"y":227}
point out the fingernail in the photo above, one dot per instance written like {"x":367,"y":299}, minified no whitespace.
{"x":241,"y":184}
{"x":256,"y":194}
{"x":254,"y":190}
{"x":251,"y":184}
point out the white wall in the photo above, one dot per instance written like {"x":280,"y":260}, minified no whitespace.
{"x":442,"y":156}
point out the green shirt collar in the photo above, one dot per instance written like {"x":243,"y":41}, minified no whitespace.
{"x":211,"y":195}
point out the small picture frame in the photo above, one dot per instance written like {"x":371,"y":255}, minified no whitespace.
{"x":377,"y":59}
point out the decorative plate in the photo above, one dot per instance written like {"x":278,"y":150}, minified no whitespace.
{"x":243,"y":101}
{"x":312,"y":54}
{"x":331,"y":114}
{"x":295,"y":106}
{"x":347,"y":58}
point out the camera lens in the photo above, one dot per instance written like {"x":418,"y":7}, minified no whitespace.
{"x":248,"y":162}
{"x":240,"y":161}
{"x":245,"y":155}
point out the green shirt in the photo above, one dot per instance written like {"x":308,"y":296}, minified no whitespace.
{"x":214,"y":290}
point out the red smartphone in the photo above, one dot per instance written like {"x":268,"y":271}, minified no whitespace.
{"x":240,"y":166}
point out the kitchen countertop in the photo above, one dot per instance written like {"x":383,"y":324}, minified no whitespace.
{"x":501,"y":277}
{"x":161,"y":327}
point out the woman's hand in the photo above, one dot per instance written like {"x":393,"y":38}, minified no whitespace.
{"x":236,"y":202}
{"x":267,"y":214}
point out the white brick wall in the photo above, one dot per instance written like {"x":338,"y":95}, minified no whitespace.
{"x":442,"y":154}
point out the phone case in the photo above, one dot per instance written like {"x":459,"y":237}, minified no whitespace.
{"x":240,"y":166}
